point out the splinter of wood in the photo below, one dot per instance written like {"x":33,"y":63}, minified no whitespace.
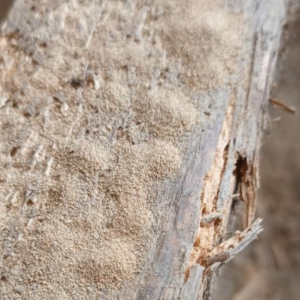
{"x":210,"y":218}
{"x":282,"y":106}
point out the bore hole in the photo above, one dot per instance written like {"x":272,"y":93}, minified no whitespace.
{"x":14,"y":151}
{"x":29,"y":202}
{"x":76,"y":83}
{"x":26,"y":115}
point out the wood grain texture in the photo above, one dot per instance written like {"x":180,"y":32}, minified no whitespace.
{"x":60,"y":61}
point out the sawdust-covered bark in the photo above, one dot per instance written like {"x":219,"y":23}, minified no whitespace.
{"x":129,"y":140}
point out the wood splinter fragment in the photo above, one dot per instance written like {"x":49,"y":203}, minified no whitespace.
{"x":210,"y":218}
{"x":220,"y":257}
{"x":228,"y":249}
{"x":282,"y":106}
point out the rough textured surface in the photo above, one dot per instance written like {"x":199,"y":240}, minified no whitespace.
{"x":269,"y":268}
{"x":121,"y":127}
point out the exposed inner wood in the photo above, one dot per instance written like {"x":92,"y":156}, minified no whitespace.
{"x":122,"y":123}
{"x":207,"y":235}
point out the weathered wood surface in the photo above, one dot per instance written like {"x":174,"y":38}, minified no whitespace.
{"x":52,"y":65}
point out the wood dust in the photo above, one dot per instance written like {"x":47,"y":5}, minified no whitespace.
{"x":95,"y":109}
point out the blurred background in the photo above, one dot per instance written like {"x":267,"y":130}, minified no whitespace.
{"x":269,"y":269}
{"x":4,"y":8}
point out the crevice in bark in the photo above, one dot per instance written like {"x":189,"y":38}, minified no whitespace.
{"x":245,"y":188}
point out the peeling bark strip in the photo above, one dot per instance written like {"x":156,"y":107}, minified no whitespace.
{"x":126,"y":129}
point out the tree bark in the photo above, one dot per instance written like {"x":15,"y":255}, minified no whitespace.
{"x":152,"y":112}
